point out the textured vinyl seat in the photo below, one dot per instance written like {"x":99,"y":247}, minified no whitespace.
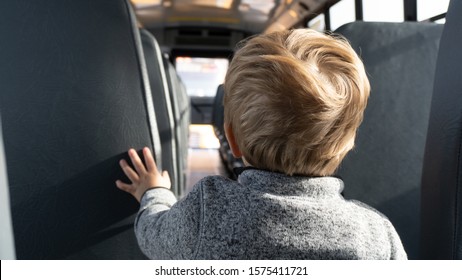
{"x":182,"y":115}
{"x":218,"y":121}
{"x":74,"y":97}
{"x":163,"y":106}
{"x":218,"y":113}
{"x":385,"y":168}
{"x":442,"y":172}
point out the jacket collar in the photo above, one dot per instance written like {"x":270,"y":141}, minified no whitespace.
{"x":282,"y":184}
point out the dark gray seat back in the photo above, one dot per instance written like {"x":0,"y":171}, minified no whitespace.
{"x":163,"y":106}
{"x":385,"y":168}
{"x":182,"y":115}
{"x":442,"y":173}
{"x":218,"y":116}
{"x":74,"y":97}
{"x":218,"y":121}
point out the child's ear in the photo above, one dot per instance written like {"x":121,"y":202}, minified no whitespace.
{"x":232,"y":141}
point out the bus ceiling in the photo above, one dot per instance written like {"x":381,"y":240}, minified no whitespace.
{"x":218,"y":25}
{"x":249,"y":16}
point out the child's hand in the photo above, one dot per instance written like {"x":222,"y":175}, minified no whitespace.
{"x":145,"y":177}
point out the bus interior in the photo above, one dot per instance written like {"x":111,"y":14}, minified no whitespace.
{"x":83,"y":81}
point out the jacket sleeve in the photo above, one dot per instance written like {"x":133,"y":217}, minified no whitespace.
{"x":397,"y":249}
{"x":166,"y":229}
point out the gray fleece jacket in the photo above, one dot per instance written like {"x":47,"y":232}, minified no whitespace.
{"x":264,"y":215}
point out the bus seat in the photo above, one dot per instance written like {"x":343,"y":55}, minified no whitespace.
{"x":182,"y":113}
{"x":442,"y":172}
{"x":162,"y":105}
{"x":7,"y":251}
{"x":384,"y":169}
{"x":73,"y":100}
{"x":218,"y":122}
{"x":218,"y":113}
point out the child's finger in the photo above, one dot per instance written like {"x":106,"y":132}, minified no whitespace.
{"x":125,"y":187}
{"x":166,"y":180}
{"x":165,"y":175}
{"x":131,"y":174}
{"x":137,"y":163}
{"x":149,"y":160}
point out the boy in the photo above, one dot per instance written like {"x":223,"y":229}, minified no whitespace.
{"x":293,"y":102}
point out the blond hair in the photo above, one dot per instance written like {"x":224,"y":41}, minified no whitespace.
{"x":294,"y":100}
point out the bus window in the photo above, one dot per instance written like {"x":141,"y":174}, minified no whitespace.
{"x":442,"y":21}
{"x":430,"y":8}
{"x":145,"y":3}
{"x":202,"y":76}
{"x":383,"y":10}
{"x":341,"y":13}
{"x":318,"y":23}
